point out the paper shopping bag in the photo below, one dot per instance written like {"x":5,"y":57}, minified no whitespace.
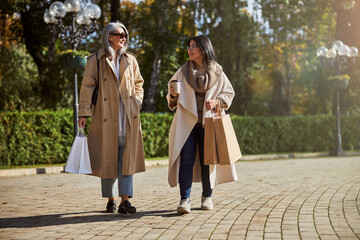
{"x":226,"y":142}
{"x":79,"y":160}
{"x":210,"y":151}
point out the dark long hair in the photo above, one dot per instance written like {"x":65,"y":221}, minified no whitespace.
{"x":206,"y":47}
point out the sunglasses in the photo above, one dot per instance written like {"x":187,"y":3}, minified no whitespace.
{"x":192,"y":47}
{"x":121,"y":35}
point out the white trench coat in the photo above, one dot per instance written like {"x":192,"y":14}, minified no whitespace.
{"x":184,"y":121}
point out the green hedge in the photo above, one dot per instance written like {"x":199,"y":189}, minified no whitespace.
{"x":46,"y":137}
{"x":295,"y":134}
{"x":155,"y":133}
{"x":35,"y":137}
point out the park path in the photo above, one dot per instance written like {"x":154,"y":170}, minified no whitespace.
{"x":311,"y":198}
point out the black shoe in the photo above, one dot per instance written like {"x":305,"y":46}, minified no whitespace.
{"x":126,"y":207}
{"x":111,"y":206}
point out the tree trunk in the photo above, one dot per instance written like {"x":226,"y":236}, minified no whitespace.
{"x":30,"y":39}
{"x":101,"y":20}
{"x":150,"y":100}
{"x":278,"y":104}
{"x":34,"y":41}
{"x":115,"y":10}
{"x":287,"y":85}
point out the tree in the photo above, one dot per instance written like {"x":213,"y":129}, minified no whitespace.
{"x":348,"y":30}
{"x":52,"y":85}
{"x":292,"y":32}
{"x":115,"y":10}
{"x":278,"y":104}
{"x":160,"y":24}
{"x":233,"y":32}
{"x":17,"y":79}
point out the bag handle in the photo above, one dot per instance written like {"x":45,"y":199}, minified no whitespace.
{"x":81,"y":132}
{"x":218,"y":109}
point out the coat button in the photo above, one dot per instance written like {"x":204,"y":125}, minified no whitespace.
{"x":105,"y":120}
{"x":105,"y":99}
{"x":135,"y":117}
{"x":130,"y":97}
{"x":105,"y":79}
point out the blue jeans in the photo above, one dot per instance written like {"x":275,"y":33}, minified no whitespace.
{"x":125,"y":183}
{"x":188,"y":153}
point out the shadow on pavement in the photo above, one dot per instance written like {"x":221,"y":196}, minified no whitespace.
{"x":72,"y":218}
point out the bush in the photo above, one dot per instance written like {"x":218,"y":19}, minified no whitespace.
{"x":45,"y":137}
{"x":155,"y":133}
{"x":35,"y":138}
{"x":285,"y":134}
{"x":28,"y":138}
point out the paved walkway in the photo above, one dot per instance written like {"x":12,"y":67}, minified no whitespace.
{"x":283,"y":199}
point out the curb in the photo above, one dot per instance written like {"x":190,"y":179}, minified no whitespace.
{"x":153,"y":163}
{"x":59,"y":169}
{"x":30,"y":171}
{"x":294,"y":155}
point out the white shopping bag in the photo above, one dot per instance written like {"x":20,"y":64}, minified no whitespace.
{"x":79,"y":160}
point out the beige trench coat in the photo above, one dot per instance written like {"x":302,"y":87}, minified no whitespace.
{"x":104,"y":127}
{"x":184,"y":121}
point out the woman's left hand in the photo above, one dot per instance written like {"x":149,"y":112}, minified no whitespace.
{"x":210,"y":104}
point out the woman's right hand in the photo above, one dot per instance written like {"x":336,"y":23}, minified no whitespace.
{"x":82,"y":122}
{"x":171,"y":89}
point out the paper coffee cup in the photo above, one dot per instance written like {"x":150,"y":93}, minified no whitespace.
{"x":176,"y":85}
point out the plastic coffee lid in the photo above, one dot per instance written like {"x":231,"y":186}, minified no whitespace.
{"x":175,"y":80}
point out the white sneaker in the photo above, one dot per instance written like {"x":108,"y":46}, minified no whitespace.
{"x":206,"y":203}
{"x":184,"y":206}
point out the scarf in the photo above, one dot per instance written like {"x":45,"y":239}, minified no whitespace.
{"x":201,"y":83}
{"x":122,"y":112}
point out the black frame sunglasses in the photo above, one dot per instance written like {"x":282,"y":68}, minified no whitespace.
{"x":121,"y":35}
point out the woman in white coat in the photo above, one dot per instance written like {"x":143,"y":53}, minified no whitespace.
{"x":203,"y":86}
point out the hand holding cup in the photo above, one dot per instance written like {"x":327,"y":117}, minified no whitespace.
{"x":174,"y":87}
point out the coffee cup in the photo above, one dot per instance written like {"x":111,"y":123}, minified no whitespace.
{"x":176,"y":85}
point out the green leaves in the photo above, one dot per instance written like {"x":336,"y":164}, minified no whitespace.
{"x":18,"y":75}
{"x":155,"y":133}
{"x":45,"y":137}
{"x":259,"y":135}
{"x":35,"y":137}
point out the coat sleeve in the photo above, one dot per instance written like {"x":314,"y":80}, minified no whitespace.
{"x":88,"y":85}
{"x":227,"y":93}
{"x":139,"y":82}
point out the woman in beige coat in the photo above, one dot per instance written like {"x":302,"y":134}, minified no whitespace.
{"x":203,"y":86}
{"x":115,"y":136}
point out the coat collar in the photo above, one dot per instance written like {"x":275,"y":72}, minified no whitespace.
{"x":124,"y":61}
{"x":101,"y":53}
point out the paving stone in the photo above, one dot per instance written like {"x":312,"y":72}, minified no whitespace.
{"x":271,"y":200}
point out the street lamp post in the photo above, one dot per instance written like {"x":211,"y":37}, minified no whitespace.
{"x":337,"y":56}
{"x":83,"y":22}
